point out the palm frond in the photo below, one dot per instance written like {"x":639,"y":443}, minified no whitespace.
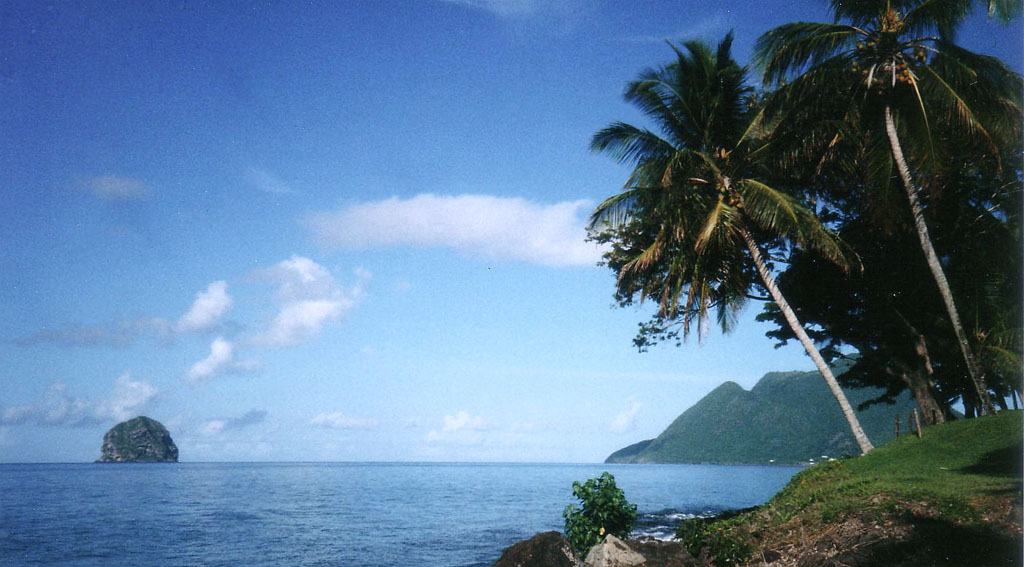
{"x":789,"y":50}
{"x":935,"y":16}
{"x":991,"y":89}
{"x":780,"y":214}
{"x":957,"y":109}
{"x":723,"y":54}
{"x":1001,"y":359}
{"x":771,"y":210}
{"x":711,"y":225}
{"x":648,"y":257}
{"x":627,"y":143}
{"x":613,"y":211}
{"x":859,"y":12}
{"x":826,"y":84}
{"x":920,"y":115}
{"x":653,"y":93}
{"x":755,"y":129}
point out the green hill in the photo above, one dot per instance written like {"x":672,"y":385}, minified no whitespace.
{"x":788,"y":417}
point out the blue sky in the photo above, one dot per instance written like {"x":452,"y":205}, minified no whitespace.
{"x":338,"y":231}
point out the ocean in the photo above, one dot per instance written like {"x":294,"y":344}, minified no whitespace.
{"x":325,"y":514}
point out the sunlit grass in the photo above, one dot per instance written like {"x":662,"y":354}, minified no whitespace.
{"x":951,"y":493}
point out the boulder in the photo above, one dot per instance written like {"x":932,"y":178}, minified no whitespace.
{"x":138,"y":440}
{"x":613,"y":552}
{"x":666,"y":553}
{"x":548,"y":549}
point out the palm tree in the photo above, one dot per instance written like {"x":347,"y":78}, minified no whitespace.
{"x":693,"y":222}
{"x":897,"y":79}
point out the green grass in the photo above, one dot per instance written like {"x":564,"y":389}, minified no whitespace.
{"x":952,"y":495}
{"x":950,"y":465}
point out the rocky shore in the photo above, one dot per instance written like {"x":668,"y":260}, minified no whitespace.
{"x":910,"y":537}
{"x":551,"y":549}
{"x":952,"y":497}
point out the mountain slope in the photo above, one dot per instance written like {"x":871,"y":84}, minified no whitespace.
{"x":787,"y":417}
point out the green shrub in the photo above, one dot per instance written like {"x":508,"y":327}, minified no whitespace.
{"x":604,"y":510}
{"x":725,"y":546}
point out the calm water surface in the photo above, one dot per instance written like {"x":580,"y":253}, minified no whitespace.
{"x":329,"y":513}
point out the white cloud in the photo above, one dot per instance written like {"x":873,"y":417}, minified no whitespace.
{"x":268,"y":182}
{"x":526,"y":427}
{"x":626,"y":419}
{"x":476,"y":225}
{"x":58,"y":407}
{"x":116,"y":188}
{"x":711,"y":28}
{"x":215,"y":426}
{"x":338,"y":420}
{"x":221,"y":360}
{"x":504,"y":8}
{"x":560,"y":11}
{"x":308,"y":294}
{"x":310,"y":297}
{"x":300,"y":278}
{"x":207,"y":307}
{"x":463,"y":420}
{"x":128,"y":396}
{"x":461,"y":428}
{"x":221,"y":354}
{"x":118,"y":333}
{"x":212,"y":427}
{"x":301,"y":321}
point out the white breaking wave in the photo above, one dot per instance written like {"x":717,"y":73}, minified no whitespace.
{"x":662,"y":525}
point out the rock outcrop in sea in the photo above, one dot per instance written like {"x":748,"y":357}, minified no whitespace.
{"x":138,"y":440}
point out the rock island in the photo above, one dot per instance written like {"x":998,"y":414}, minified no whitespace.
{"x":138,"y":440}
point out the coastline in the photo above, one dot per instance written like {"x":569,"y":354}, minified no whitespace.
{"x":952,"y":497}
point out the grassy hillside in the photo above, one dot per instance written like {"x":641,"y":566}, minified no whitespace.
{"x":951,"y":498}
{"x":788,"y":417}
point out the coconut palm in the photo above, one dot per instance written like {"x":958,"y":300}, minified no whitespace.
{"x":694,"y":224}
{"x":886,"y":66}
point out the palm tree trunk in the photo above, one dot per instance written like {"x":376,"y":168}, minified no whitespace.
{"x":977,"y":376}
{"x":812,"y":351}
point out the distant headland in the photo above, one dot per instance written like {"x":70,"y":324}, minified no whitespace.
{"x":786,"y":418}
{"x":138,"y":440}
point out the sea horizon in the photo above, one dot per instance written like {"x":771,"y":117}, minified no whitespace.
{"x":539,"y":463}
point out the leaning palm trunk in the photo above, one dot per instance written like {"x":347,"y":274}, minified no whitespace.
{"x":977,"y":376}
{"x":798,"y":329}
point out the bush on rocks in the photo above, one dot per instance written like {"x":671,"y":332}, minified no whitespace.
{"x":604,"y":511}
